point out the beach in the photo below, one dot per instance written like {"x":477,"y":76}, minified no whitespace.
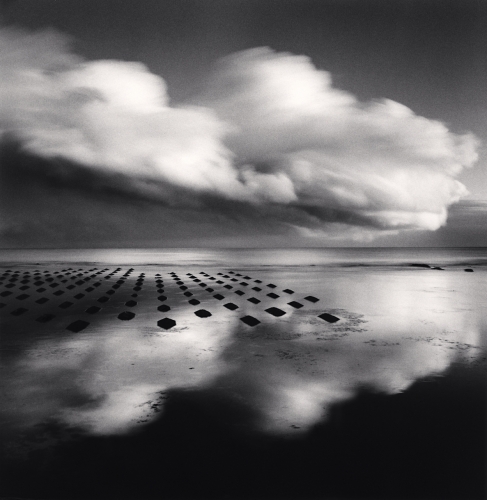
{"x":244,"y":374}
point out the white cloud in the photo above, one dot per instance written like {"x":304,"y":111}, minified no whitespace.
{"x":270,"y":129}
{"x":377,"y":160}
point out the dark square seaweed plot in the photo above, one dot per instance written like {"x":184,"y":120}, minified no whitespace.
{"x":250,"y":320}
{"x":329,"y":318}
{"x":295,"y":304}
{"x":126,"y":315}
{"x":275,"y":311}
{"x":77,"y":326}
{"x":203,"y":313}
{"x":166,"y":323}
{"x":310,"y":298}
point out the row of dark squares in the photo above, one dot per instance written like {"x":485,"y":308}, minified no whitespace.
{"x":243,"y":283}
{"x":167,"y":323}
{"x":70,"y":287}
{"x":27,"y":274}
{"x":160,"y":282}
{"x":80,"y":282}
{"x":51,"y":280}
{"x":52,"y":285}
{"x":60,"y":292}
{"x":252,"y":299}
{"x":272,"y":295}
{"x":162,"y":297}
{"x":16,"y":274}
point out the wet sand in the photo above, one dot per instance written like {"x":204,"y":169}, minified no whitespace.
{"x":150,"y":381}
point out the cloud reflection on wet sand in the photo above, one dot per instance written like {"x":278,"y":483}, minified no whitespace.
{"x":289,"y":370}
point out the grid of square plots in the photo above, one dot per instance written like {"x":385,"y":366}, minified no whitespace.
{"x":63,"y":290}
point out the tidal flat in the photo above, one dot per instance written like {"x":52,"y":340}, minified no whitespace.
{"x":278,"y":376}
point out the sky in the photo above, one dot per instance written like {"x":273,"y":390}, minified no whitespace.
{"x":243,"y":123}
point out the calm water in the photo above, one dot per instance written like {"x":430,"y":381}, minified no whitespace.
{"x":254,"y":257}
{"x":383,"y":397}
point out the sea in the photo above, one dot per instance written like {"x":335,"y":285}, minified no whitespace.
{"x":456,"y":256}
{"x":335,"y":373}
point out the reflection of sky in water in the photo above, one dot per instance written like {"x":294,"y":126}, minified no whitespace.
{"x":395,"y":327}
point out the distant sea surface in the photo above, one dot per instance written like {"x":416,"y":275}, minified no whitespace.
{"x":340,"y":257}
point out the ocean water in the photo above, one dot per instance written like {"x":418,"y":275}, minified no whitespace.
{"x":254,"y":257}
{"x":361,"y":374}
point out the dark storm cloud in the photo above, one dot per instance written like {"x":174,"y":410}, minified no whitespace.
{"x":56,"y":203}
{"x":271,"y":144}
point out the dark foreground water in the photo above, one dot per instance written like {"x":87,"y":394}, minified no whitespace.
{"x":243,"y":374}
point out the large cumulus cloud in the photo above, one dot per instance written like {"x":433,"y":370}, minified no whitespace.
{"x":270,"y":133}
{"x":378,"y":161}
{"x":108,"y":115}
